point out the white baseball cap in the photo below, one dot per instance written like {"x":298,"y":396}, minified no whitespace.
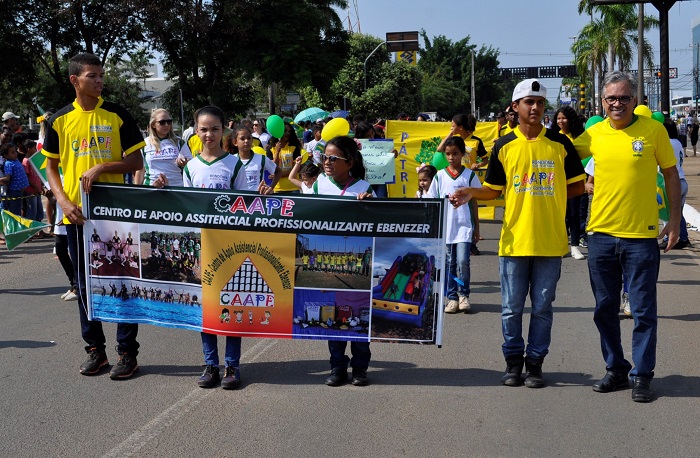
{"x":6,"y":116}
{"x":527,"y":88}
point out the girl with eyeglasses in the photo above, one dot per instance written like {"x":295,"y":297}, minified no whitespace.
{"x":164,"y":155}
{"x":344,"y":175}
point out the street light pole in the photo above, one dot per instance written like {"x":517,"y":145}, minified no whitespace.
{"x":370,"y":55}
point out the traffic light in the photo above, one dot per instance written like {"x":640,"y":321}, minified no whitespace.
{"x":582,"y":97}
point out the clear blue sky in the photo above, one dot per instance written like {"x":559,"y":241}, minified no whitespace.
{"x":527,"y":33}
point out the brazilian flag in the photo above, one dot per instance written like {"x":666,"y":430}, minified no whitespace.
{"x":662,"y":198}
{"x":18,"y":230}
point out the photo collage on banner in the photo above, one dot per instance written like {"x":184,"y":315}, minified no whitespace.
{"x":234,"y":263}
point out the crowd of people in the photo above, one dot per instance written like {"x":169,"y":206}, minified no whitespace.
{"x":535,"y":165}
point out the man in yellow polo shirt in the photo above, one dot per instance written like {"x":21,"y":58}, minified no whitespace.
{"x":536,"y":170}
{"x":92,"y":140}
{"x":623,"y":229}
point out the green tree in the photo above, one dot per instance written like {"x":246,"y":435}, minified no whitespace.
{"x":610,"y":41}
{"x":215,"y":49}
{"x":397,"y":90}
{"x":446,"y":66}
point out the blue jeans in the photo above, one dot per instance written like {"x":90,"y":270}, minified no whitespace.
{"x":360,"y":354}
{"x":457,"y":260}
{"x":210,"y":348}
{"x":92,"y":330}
{"x":573,"y":219}
{"x":608,"y":258}
{"x":538,"y":276}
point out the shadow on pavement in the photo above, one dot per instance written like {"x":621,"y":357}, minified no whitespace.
{"x":25,"y":344}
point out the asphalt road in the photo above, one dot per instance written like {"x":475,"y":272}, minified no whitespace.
{"x":423,"y":401}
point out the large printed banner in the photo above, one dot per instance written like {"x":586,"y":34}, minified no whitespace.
{"x":236,"y":263}
{"x":416,"y":143}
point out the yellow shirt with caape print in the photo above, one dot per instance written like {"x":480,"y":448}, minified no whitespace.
{"x":533,"y":176}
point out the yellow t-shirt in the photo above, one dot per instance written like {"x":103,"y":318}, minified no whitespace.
{"x":506,"y":129}
{"x":475,"y":149}
{"x":626,"y":160}
{"x":533,"y":176}
{"x":194,"y":143}
{"x":82,"y":139}
{"x":285,"y":164}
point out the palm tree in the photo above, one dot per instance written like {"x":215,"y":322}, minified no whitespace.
{"x":614,"y":35}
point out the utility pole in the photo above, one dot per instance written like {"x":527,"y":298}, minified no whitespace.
{"x":640,"y":55}
{"x":473,"y":88}
{"x":696,"y":74}
{"x":593,"y":88}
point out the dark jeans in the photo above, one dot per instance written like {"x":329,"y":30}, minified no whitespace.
{"x":61,"y":245}
{"x":608,"y":258}
{"x":381,"y":190}
{"x":92,"y":330}
{"x":360,"y":354}
{"x":583,"y":215}
{"x":573,"y":219}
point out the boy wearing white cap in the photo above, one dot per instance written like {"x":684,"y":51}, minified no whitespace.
{"x":536,"y":170}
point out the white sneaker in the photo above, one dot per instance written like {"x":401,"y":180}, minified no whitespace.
{"x":464,"y":305}
{"x":576,"y":253}
{"x":625,"y":305}
{"x":452,"y":306}
{"x":63,"y":296}
{"x":71,"y":296}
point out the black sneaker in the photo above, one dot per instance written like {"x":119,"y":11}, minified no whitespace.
{"x":125,"y":367}
{"x":231,"y":379}
{"x":474,"y":250}
{"x":681,"y":244}
{"x":209,"y":378}
{"x":583,"y":243}
{"x":97,"y":360}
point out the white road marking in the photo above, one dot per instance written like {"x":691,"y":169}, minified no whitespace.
{"x":155,"y":427}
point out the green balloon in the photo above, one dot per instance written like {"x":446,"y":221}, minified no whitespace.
{"x":659,"y":116}
{"x":593,"y":120}
{"x":440,"y":161}
{"x":275,"y":125}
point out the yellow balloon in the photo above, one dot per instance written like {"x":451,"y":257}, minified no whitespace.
{"x":337,"y":127}
{"x":642,"y":110}
{"x":258,"y":150}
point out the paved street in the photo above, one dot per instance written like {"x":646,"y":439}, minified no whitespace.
{"x":423,"y":401}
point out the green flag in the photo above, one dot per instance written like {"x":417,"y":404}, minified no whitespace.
{"x":18,"y":230}
{"x":39,"y":162}
{"x":662,"y":198}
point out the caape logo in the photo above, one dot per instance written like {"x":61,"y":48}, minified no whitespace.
{"x":247,"y":288}
{"x":93,"y":142}
{"x":263,"y":206}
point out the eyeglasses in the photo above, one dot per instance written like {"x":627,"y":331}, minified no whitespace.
{"x":332,"y":159}
{"x":164,"y":122}
{"x":624,"y":100}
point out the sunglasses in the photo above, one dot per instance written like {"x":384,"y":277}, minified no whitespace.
{"x":255,"y":124}
{"x":332,"y":159}
{"x":165,"y":122}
